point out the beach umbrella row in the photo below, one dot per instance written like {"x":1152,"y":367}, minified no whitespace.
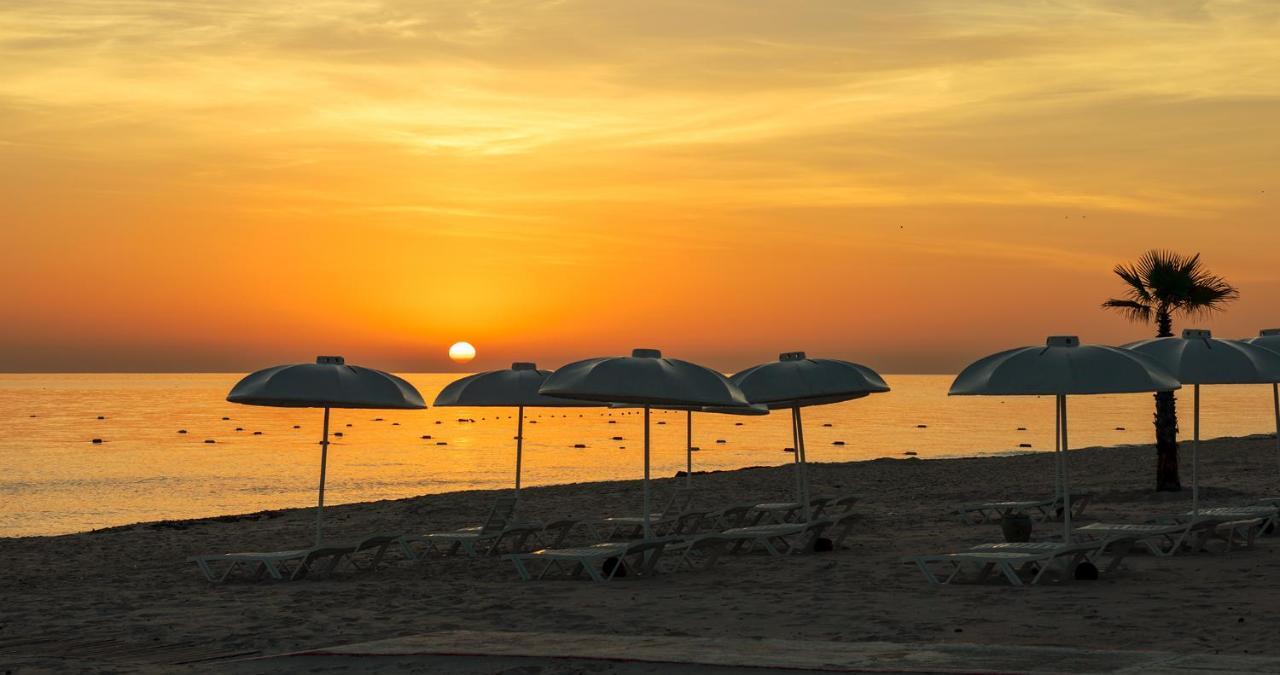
{"x":1270,"y":339}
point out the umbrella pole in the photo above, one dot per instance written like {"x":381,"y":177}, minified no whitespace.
{"x":519,"y":445}
{"x":324,"y":460}
{"x":795,"y":451}
{"x":688,"y":449}
{"x":1195,"y":457}
{"x":1066,"y":493}
{"x":1275,"y":402}
{"x":648,"y":533}
{"x":1057,"y":447}
{"x":804,"y":466}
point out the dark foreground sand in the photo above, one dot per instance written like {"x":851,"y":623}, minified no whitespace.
{"x":125,"y":599}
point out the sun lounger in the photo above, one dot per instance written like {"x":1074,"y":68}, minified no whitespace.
{"x":790,"y":512}
{"x":485,"y":539}
{"x":1160,"y":539}
{"x":1012,"y":564}
{"x":633,"y":526}
{"x":778,"y":538}
{"x":1043,"y":510}
{"x":696,"y":553}
{"x":1238,"y":533}
{"x":1115,"y":548}
{"x":298,"y":563}
{"x":1269,"y":514}
{"x":740,"y":515}
{"x":601,"y":562}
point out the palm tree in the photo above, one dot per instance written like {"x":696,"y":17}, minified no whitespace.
{"x":1160,"y":285}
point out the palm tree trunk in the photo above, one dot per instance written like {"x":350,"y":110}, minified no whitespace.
{"x":1166,"y":423}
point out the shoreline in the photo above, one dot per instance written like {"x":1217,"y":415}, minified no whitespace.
{"x":270,"y":514}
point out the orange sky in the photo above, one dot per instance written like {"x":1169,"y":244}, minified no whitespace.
{"x":223,"y":186}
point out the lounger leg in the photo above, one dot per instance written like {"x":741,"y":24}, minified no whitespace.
{"x":521,"y":569}
{"x":1011,"y":574}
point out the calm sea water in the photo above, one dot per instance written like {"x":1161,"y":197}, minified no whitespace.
{"x":53,"y":479}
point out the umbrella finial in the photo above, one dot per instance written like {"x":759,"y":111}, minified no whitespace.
{"x":791,"y":356}
{"x":646,"y":353}
{"x":1063,"y":341}
{"x":1196,"y":334}
{"x":524,"y":365}
{"x":332,"y":360}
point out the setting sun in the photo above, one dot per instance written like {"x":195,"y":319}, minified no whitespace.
{"x":462,"y":352}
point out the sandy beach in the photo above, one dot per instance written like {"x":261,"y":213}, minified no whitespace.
{"x":125,"y":599}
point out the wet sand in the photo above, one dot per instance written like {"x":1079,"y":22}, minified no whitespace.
{"x":130,"y":588}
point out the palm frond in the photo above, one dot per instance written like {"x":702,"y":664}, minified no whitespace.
{"x":1136,"y":312}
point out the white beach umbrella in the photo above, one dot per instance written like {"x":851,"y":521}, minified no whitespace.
{"x":327,"y":383}
{"x":514,"y":387}
{"x":795,"y":381}
{"x":645,"y":379}
{"x":1269,"y":338}
{"x":1062,"y":367}
{"x":1198,"y":358}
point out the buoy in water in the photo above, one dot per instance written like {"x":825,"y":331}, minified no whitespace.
{"x":239,"y":428}
{"x":788,"y":449}
{"x":826,"y":424}
{"x":226,"y":419}
{"x":209,"y":440}
{"x":922,"y":426}
{"x":1024,"y":445}
{"x":694,"y":448}
{"x":257,"y":433}
{"x":579,"y":445}
{"x":737,"y":424}
{"x":101,"y":417}
{"x":96,"y":441}
{"x":721,"y":440}
{"x":1119,"y":428}
{"x":182,"y":431}
{"x":338,"y":434}
{"x":616,"y":438}
{"x":837,"y":442}
{"x":910,"y":453}
{"x":299,"y":426}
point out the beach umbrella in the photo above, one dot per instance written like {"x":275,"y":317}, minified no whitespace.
{"x":1062,"y":367}
{"x":1198,"y":358}
{"x":1269,"y":338}
{"x":514,"y":387}
{"x":645,"y":379}
{"x":327,"y":383}
{"x":795,"y":381}
{"x":689,"y":410}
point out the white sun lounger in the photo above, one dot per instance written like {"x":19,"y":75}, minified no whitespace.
{"x":481,"y":540}
{"x":668,"y":518}
{"x":298,"y":563}
{"x":790,"y":512}
{"x":1160,"y":539}
{"x":1043,"y":510}
{"x":1012,"y":565}
{"x":776,"y":539}
{"x":601,"y":562}
{"x":1269,"y":514}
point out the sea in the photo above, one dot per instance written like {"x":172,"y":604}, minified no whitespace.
{"x":86,"y":451}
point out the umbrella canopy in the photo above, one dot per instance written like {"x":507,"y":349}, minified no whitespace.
{"x":1198,"y":358}
{"x":647,"y":379}
{"x":514,"y":387}
{"x":327,"y":383}
{"x":1062,"y":367}
{"x":795,"y":381}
